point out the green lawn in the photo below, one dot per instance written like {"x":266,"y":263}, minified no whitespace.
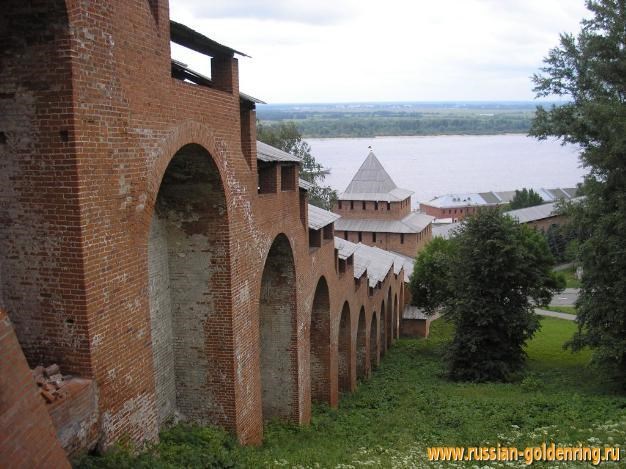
{"x":562,"y":309}
{"x":409,"y":405}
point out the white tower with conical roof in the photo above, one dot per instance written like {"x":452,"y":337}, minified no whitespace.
{"x":375,"y":211}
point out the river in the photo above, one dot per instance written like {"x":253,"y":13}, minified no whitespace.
{"x":437,"y":165}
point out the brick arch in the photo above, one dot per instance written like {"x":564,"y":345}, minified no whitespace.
{"x":401,"y":309}
{"x":383,"y":329}
{"x":395,"y":317}
{"x":373,"y":351}
{"x":211,"y":405}
{"x":344,"y":345}
{"x":188,"y":285}
{"x":389,"y":317}
{"x":187,"y":133}
{"x":277,"y":330}
{"x":362,"y":370}
{"x":320,"y":344}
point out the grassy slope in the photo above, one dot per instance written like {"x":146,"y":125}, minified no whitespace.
{"x":570,"y":279}
{"x":409,"y":405}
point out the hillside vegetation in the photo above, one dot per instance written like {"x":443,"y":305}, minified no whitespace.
{"x":408,"y":406}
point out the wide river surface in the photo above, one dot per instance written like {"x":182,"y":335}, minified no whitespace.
{"x":438,"y":165}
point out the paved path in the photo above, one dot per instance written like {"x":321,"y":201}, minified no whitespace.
{"x":554,"y":314}
{"x":566,"y":298}
{"x":565,"y":266}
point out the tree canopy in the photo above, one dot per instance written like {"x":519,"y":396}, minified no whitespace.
{"x":589,"y":70}
{"x":525,"y":198}
{"x":486,"y":279}
{"x":287,"y":137}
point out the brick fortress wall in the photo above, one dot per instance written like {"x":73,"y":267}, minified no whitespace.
{"x":135,"y":250}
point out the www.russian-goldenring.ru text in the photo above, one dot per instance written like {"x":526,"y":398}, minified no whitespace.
{"x":531,"y":454}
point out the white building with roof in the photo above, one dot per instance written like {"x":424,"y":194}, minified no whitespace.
{"x":458,"y":206}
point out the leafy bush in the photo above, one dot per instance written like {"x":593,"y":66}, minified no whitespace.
{"x":180,"y":446}
{"x":531,"y":383}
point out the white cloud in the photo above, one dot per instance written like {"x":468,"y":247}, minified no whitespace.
{"x":300,"y":11}
{"x":339,"y":50}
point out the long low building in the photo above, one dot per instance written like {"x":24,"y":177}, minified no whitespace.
{"x":458,"y":206}
{"x":542,"y":216}
{"x":539,"y":216}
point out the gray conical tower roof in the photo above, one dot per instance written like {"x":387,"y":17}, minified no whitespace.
{"x":372,"y":182}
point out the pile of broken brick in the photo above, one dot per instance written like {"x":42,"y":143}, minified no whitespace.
{"x":50,"y":382}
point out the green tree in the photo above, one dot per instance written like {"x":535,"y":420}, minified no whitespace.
{"x":487,"y":279}
{"x":431,"y":275}
{"x":562,"y":242}
{"x":589,"y":70}
{"x":525,"y":198}
{"x":287,"y":137}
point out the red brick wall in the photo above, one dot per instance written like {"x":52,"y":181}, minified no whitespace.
{"x":546,"y":223}
{"x":392,"y":211}
{"x":411,"y":327}
{"x":415,"y":327}
{"x":41,"y":238}
{"x":457,"y":213}
{"x":76,"y":417}
{"x":27,"y":436}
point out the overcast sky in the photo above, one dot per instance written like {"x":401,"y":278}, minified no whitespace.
{"x":381,"y":50}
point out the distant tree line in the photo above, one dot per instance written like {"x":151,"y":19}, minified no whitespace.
{"x":405,"y":124}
